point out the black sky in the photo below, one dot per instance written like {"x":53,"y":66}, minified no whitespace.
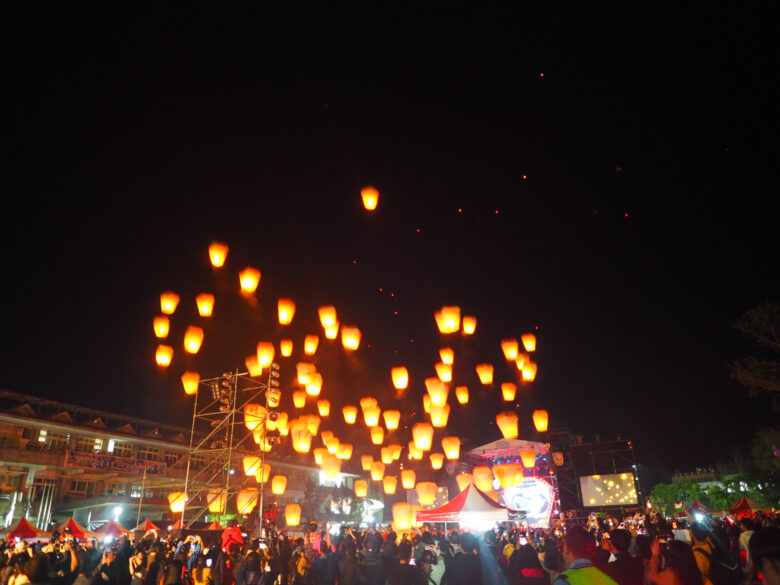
{"x":643,"y":229}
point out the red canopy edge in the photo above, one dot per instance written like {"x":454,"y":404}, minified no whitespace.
{"x":450,"y":512}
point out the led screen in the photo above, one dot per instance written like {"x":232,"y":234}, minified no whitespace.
{"x":535,"y":497}
{"x":617,"y":489}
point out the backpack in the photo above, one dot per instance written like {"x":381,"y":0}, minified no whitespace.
{"x":725,"y":568}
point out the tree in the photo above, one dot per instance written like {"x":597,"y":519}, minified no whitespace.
{"x":664,"y":496}
{"x":761,"y":374}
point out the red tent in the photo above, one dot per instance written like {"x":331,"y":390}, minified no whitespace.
{"x":75,"y":529}
{"x":112,"y":529}
{"x":145,"y":526}
{"x":179,"y":525}
{"x":697,"y":506}
{"x":469,"y":506}
{"x":743,"y":507}
{"x":214,"y":526}
{"x":24,"y":529}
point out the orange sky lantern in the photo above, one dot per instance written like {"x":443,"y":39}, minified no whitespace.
{"x":319,"y":453}
{"x":528,"y":457}
{"x":246,"y":500}
{"x":463,"y":479}
{"x":392,"y":419}
{"x":508,"y":391}
{"x":507,"y":423}
{"x":390,"y":482}
{"x":440,"y":415}
{"x":331,"y":466}
{"x":437,"y":390}
{"x":292,"y":514}
{"x":265,"y":353}
{"x":252,"y":464}
{"x":253,"y":366}
{"x":273,"y":396}
{"x":482,"y":477}
{"x":350,"y":338}
{"x":451,"y":447}
{"x":367,"y":401}
{"x":310,"y":343}
{"x":286,"y":347}
{"x":168,"y":302}
{"x":193,"y":338}
{"x":522,"y":359}
{"x":370,"y":197}
{"x":510,"y":348}
{"x":177,"y":502}
{"x":469,"y":325}
{"x":366,"y":461}
{"x":415,"y":453}
{"x":254,"y":415}
{"x":262,"y":476}
{"x":314,"y":386}
{"x":422,"y":433}
{"x":444,"y":372}
{"x":529,"y":372}
{"x":462,"y":394}
{"x":541,"y":419}
{"x":350,"y":414}
{"x":377,"y":435}
{"x":345,"y":451}
{"x":301,"y":438}
{"x":408,"y":478}
{"x":509,"y":474}
{"x":529,"y":341}
{"x":249,"y":278}
{"x":437,"y":460}
{"x":163,"y":355}
{"x":386,"y":455}
{"x":162,"y":325}
{"x":377,"y":470}
{"x":279,"y":484}
{"x":305,"y":371}
{"x":485,"y":373}
{"x":403,"y":517}
{"x":299,"y":398}
{"x":332,"y":331}
{"x":218,"y":254}
{"x":426,"y":492}
{"x":216,"y":500}
{"x":205,"y":303}
{"x":427,"y":403}
{"x":323,"y":407}
{"x":371,"y":415}
{"x":190,"y":381}
{"x":396,"y":450}
{"x":448,"y":319}
{"x":361,"y":488}
{"x":447,"y":355}
{"x":327,"y":316}
{"x":400,"y":377}
{"x":286,"y":310}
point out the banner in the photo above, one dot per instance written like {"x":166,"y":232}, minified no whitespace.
{"x":111,"y":463}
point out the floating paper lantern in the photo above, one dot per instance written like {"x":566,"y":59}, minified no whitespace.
{"x":444,"y":372}
{"x":370,"y":197}
{"x":437,"y":460}
{"x":377,"y":470}
{"x":265,"y":444}
{"x":323,"y":407}
{"x":332,"y":331}
{"x":392,"y":419}
{"x":361,"y":488}
{"x":331,"y":466}
{"x":402,"y":517}
{"x":408,"y":478}
{"x":218,"y":254}
{"x":508,"y":391}
{"x":249,"y":278}
{"x":265,"y":353}
{"x":417,"y":523}
{"x":510,"y":348}
{"x":301,"y":437}
{"x":447,"y":355}
{"x":254,"y":415}
{"x":529,"y":372}
{"x":389,"y":483}
{"x":216,"y":500}
{"x":279,"y":484}
{"x":462,"y":394}
{"x":437,"y":390}
{"x":205,"y":303}
{"x":310,"y":344}
{"x":319,"y":453}
{"x":350,"y":338}
{"x":292,"y":514}
{"x":427,"y":403}
{"x":253,"y":366}
{"x":448,"y":319}
{"x":469,"y":325}
{"x":314,"y":386}
{"x":164,"y":355}
{"x":451,"y":447}
{"x":168,"y":302}
{"x":263,"y":473}
{"x":286,"y":310}
{"x":522,"y":359}
{"x":190,"y":381}
{"x":463,"y":479}
{"x":377,"y":435}
{"x":508,"y":475}
{"x":386,"y":454}
{"x":286,"y":347}
{"x":177,"y":501}
{"x":312,"y":422}
{"x":281,"y":420}
{"x":367,"y":401}
{"x":193,"y":338}
{"x":251,"y":464}
{"x":528,"y":457}
{"x":396,"y":451}
{"x":557,"y":458}
{"x":162,"y":325}
{"x":305,"y":371}
{"x":507,"y":424}
{"x":350,"y":414}
{"x":482,"y":477}
{"x":426,"y":492}
{"x":540,"y":418}
{"x":415,"y":452}
{"x":366,"y":461}
{"x":529,"y":341}
{"x":440,"y":415}
{"x":422,"y":433}
{"x":327,"y":315}
{"x":371,"y":415}
{"x":485,"y":373}
{"x":400,"y":377}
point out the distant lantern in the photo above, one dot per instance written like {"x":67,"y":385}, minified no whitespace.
{"x":422,"y":433}
{"x":168,"y":302}
{"x":332,"y":331}
{"x":286,"y":347}
{"x":327,"y":316}
{"x":529,"y":372}
{"x":314,"y":386}
{"x":540,"y":418}
{"x":190,"y":381}
{"x":301,"y":438}
{"x":447,"y":355}
{"x":437,"y":460}
{"x":253,"y":366}
{"x":310,"y":343}
{"x":408,"y":478}
{"x":386,"y":455}
{"x":162,"y":325}
{"x":528,"y":457}
{"x":415,"y":452}
{"x":462,"y":394}
{"x":249,"y":278}
{"x":286,"y":309}
{"x":312,"y":422}
{"x":281,"y":420}
{"x":529,"y":341}
{"x":350,"y":414}
{"x":254,"y":415}
{"x":396,"y":451}
{"x":507,"y":423}
{"x":218,"y":254}
{"x":482,"y":477}
{"x":508,"y":475}
{"x":444,"y":372}
{"x":437,"y":390}
{"x":377,"y":470}
{"x":426,"y":492}
{"x":323,"y":407}
{"x":345,"y":451}
{"x":319,"y":453}
{"x":367,"y":401}
{"x":403,"y":517}
{"x":508,"y":391}
{"x":392,"y":418}
{"x":265,"y":444}
{"x":366,"y":461}
{"x":263,"y":473}
{"x":265,"y":353}
{"x":451,"y":446}
{"x":177,"y":501}
{"x":389,"y":483}
{"x":305,"y":371}
{"x":557,"y":458}
{"x":463,"y":479}
{"x":350,"y":338}
{"x":164,"y":355}
{"x":427,"y":403}
{"x":205,"y":303}
{"x":371,"y":415}
{"x":469,"y":325}
{"x":332,"y":445}
{"x":400,"y":376}
{"x":216,"y":500}
{"x":510,"y":348}
{"x":292,"y":514}
{"x":440,"y":415}
{"x":193,"y":338}
{"x":377,"y":435}
{"x":448,"y":319}
{"x":279,"y":484}
{"x":331,"y":466}
{"x":522,"y":359}
{"x":485,"y":373}
{"x":370,"y":197}
{"x":361,"y":488}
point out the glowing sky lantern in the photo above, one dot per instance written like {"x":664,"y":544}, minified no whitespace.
{"x":377,"y":435}
{"x":292,"y":514}
{"x":367,"y":401}
{"x":168,"y":302}
{"x":469,"y":325}
{"x":190,"y":381}
{"x":323,"y":407}
{"x":482,"y":477}
{"x":331,"y":466}
{"x":529,"y":372}
{"x":312,"y":423}
{"x":507,"y":423}
{"x":162,"y":325}
{"x":541,"y":419}
{"x":400,"y":376}
{"x":205,"y":303}
{"x":437,"y":460}
{"x":390,"y":482}
{"x":463,"y":480}
{"x":361,"y":488}
{"x":485,"y":373}
{"x":281,"y":420}
{"x":319,"y":453}
{"x":392,"y":418}
{"x":279,"y":484}
{"x":177,"y":501}
{"x":327,"y":316}
{"x":439,"y":415}
{"x":350,"y":414}
{"x":451,"y":447}
{"x":427,"y":403}
{"x":528,"y":457}
{"x":314,"y":386}
{"x":462,"y":394}
{"x":249,"y":278}
{"x":508,"y":391}
{"x":371,"y":415}
{"x":246,"y":500}
{"x":193,"y":338}
{"x":299,"y":398}
{"x":522,"y":359}
{"x":508,"y":475}
{"x":402,"y":516}
{"x":444,"y":372}
{"x":286,"y":309}
{"x":415,"y":452}
{"x":254,"y":415}
{"x":350,"y":338}
{"x":332,"y":445}
{"x":253,"y":366}
{"x":332,"y":331}
{"x":262,"y":476}
{"x":265,"y":353}
{"x":529,"y":341}
{"x":386,"y":455}
{"x":408,"y":478}
{"x":510,"y":348}
{"x":422,"y":434}
{"x":437,"y":390}
{"x":301,"y":438}
{"x":251,"y":465}
{"x":310,"y":343}
{"x":218,"y":254}
{"x":447,"y":355}
{"x":305,"y":371}
{"x":448,"y":319}
{"x":366,"y":461}
{"x":216,"y":500}
{"x":370,"y":197}
{"x":163,"y":355}
{"x":286,"y":347}
{"x":396,"y":450}
{"x":426,"y":492}
{"x":377,"y":470}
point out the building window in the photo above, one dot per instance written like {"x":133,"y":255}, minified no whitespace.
{"x":85,"y":445}
{"x":171,"y":457}
{"x":80,"y":489}
{"x":98,"y":447}
{"x":120,"y":449}
{"x":148,"y":453}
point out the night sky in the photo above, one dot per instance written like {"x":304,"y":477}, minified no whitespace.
{"x":599,"y":178}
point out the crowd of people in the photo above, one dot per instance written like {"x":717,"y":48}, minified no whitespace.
{"x":599,"y":552}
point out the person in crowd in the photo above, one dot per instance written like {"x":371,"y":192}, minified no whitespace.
{"x":350,"y":570}
{"x":764,"y":549}
{"x":624,"y":569}
{"x":702,"y":550}
{"x":325,"y":565}
{"x":466,"y":566}
{"x":681,"y":568}
{"x":578,"y":548}
{"x":401,"y":572}
{"x":525,"y":569}
{"x":231,"y":534}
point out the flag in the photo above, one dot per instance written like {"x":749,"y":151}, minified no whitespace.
{"x":775,"y":451}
